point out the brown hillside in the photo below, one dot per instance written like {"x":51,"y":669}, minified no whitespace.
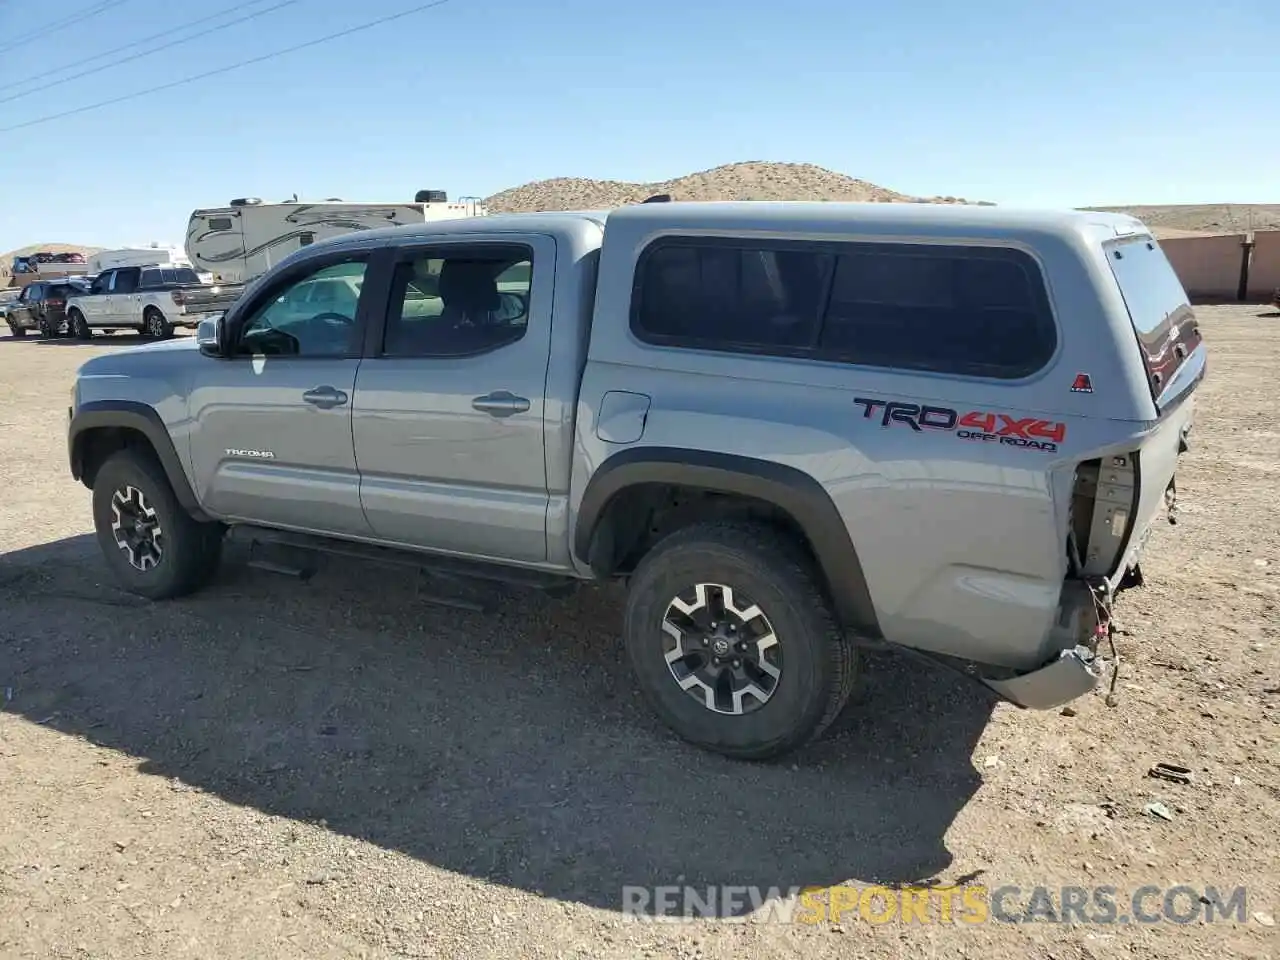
{"x":753,"y":180}
{"x":1184,"y":219}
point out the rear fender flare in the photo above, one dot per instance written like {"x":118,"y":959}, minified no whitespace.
{"x":797,"y":493}
{"x":135,"y":417}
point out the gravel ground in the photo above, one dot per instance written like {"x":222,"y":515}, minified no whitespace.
{"x":347,"y":768}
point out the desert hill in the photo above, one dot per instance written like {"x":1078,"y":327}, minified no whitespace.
{"x":753,"y":180}
{"x":759,"y":180}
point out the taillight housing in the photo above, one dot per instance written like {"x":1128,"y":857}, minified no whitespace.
{"x":54,"y":302}
{"x":178,"y":297}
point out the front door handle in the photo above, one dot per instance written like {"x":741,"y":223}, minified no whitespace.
{"x":326,"y":397}
{"x":501,"y":403}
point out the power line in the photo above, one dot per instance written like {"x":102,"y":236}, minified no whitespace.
{"x":128,"y":46}
{"x":147,"y":53}
{"x":227,"y":69}
{"x":48,"y":28}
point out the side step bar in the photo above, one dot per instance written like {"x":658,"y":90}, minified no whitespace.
{"x":447,"y":567}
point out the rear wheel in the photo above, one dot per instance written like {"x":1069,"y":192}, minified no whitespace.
{"x":733,"y":643}
{"x":154,"y":547}
{"x":156,"y":325}
{"x":78,"y":326}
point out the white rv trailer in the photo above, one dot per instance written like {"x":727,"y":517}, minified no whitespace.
{"x":239,"y":242}
{"x":155,"y":254}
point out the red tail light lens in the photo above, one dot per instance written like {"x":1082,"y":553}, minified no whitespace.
{"x":178,"y":297}
{"x":56,"y":303}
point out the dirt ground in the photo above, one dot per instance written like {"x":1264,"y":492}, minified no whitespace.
{"x":348,"y":769}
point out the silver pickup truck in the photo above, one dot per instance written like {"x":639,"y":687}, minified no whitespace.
{"x":151,"y":300}
{"x":796,"y":430}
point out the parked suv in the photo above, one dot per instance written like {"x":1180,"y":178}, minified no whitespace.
{"x":41,"y":306}
{"x":795,"y":430}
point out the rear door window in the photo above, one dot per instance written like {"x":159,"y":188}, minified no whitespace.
{"x":1162,"y":317}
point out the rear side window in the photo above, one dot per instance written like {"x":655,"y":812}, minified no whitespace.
{"x":180,"y":275}
{"x":971,"y":311}
{"x":151,"y":278}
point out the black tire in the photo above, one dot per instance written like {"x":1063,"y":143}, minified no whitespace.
{"x":818,"y":661}
{"x":190,"y":550}
{"x":17,"y":331}
{"x":77,"y":326}
{"x":155,"y":325}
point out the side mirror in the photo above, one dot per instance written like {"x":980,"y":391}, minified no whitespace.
{"x":209,"y":336}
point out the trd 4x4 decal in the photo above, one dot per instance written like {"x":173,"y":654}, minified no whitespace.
{"x":1030,"y":432}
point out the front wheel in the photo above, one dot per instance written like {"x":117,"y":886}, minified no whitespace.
{"x":153,"y":546}
{"x":733,"y":643}
{"x":17,"y":331}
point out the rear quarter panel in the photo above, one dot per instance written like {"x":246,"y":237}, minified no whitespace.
{"x":961,"y":541}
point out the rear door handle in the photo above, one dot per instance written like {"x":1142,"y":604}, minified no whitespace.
{"x":501,"y":403}
{"x":325,"y":397}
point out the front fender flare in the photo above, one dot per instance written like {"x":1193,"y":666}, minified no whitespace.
{"x":797,"y":493}
{"x":139,"y":418}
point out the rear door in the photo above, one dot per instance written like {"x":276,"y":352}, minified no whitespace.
{"x":449,"y":404}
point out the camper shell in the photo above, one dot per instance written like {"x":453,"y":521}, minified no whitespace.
{"x":163,"y":255}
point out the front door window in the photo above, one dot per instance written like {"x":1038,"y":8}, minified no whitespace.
{"x":314,"y":317}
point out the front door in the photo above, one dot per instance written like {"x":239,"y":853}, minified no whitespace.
{"x":95,"y":307}
{"x":449,"y":406}
{"x":124,"y":306}
{"x":271,"y":435}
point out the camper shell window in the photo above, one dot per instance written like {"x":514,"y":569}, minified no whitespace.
{"x":220,"y":223}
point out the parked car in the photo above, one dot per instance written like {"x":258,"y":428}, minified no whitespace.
{"x":151,"y":300}
{"x":42,"y":306}
{"x":794,"y":430}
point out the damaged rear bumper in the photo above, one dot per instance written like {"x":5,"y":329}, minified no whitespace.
{"x":1072,"y":674}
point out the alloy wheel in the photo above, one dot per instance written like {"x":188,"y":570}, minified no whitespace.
{"x":136,"y":528}
{"x":721,"y":649}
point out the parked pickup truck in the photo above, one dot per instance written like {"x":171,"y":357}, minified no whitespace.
{"x":151,"y":300}
{"x":795,"y":430}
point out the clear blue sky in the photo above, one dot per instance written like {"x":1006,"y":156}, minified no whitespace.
{"x":1024,"y":102}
